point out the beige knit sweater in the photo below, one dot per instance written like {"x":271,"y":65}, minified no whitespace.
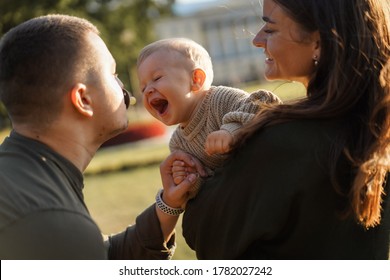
{"x":222,"y":108}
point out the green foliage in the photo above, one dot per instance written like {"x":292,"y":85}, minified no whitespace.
{"x":125,"y":25}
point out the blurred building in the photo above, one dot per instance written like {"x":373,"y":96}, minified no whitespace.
{"x":226,"y":29}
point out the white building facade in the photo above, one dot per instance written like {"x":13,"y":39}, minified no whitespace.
{"x":226,"y":30}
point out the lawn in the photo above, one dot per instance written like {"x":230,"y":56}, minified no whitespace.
{"x":116,"y":198}
{"x":285,"y":90}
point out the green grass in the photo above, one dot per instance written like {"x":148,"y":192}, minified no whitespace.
{"x":115,"y":199}
{"x":285,"y":90}
{"x":3,"y":133}
{"x":128,"y":156}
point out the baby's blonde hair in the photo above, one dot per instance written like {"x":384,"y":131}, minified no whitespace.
{"x":197,"y":55}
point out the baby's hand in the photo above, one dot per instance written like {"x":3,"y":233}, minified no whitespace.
{"x":180,"y":171}
{"x":177,"y":195}
{"x":218,"y":142}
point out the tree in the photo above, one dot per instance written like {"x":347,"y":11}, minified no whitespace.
{"x":125,"y":25}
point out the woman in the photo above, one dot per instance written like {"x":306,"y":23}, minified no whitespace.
{"x":307,"y":179}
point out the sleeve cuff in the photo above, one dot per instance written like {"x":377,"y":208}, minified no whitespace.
{"x":149,"y":233}
{"x":231,"y":127}
{"x":144,"y":240}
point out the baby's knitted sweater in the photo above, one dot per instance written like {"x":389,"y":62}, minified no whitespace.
{"x":222,"y":108}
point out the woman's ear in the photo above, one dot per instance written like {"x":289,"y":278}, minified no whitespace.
{"x":198,"y":79}
{"x":316,"y":39}
{"x":81,"y":100}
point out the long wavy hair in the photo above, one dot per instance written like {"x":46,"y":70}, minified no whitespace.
{"x":351,"y":81}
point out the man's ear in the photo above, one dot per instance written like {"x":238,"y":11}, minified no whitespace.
{"x":81,"y":100}
{"x":198,"y":79}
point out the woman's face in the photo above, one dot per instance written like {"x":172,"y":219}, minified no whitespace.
{"x":289,"y":50}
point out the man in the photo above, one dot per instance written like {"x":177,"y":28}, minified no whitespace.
{"x":58,"y":84}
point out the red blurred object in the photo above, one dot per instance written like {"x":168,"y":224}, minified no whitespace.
{"x":136,"y":132}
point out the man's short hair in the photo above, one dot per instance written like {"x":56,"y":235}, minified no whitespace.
{"x":39,"y":61}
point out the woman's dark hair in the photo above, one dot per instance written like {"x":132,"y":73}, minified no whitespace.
{"x":351,"y":82}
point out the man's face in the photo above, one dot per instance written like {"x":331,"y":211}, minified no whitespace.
{"x":108,"y":99}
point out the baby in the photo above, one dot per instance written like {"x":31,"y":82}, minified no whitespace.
{"x":175,"y":77}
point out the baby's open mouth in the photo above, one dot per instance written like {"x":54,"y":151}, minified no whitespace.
{"x":160,"y":105}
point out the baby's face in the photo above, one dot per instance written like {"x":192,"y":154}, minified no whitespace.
{"x":165,"y":79}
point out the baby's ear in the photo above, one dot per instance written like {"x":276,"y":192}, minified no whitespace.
{"x":198,"y":79}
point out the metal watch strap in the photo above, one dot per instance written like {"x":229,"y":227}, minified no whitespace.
{"x":165,"y":208}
